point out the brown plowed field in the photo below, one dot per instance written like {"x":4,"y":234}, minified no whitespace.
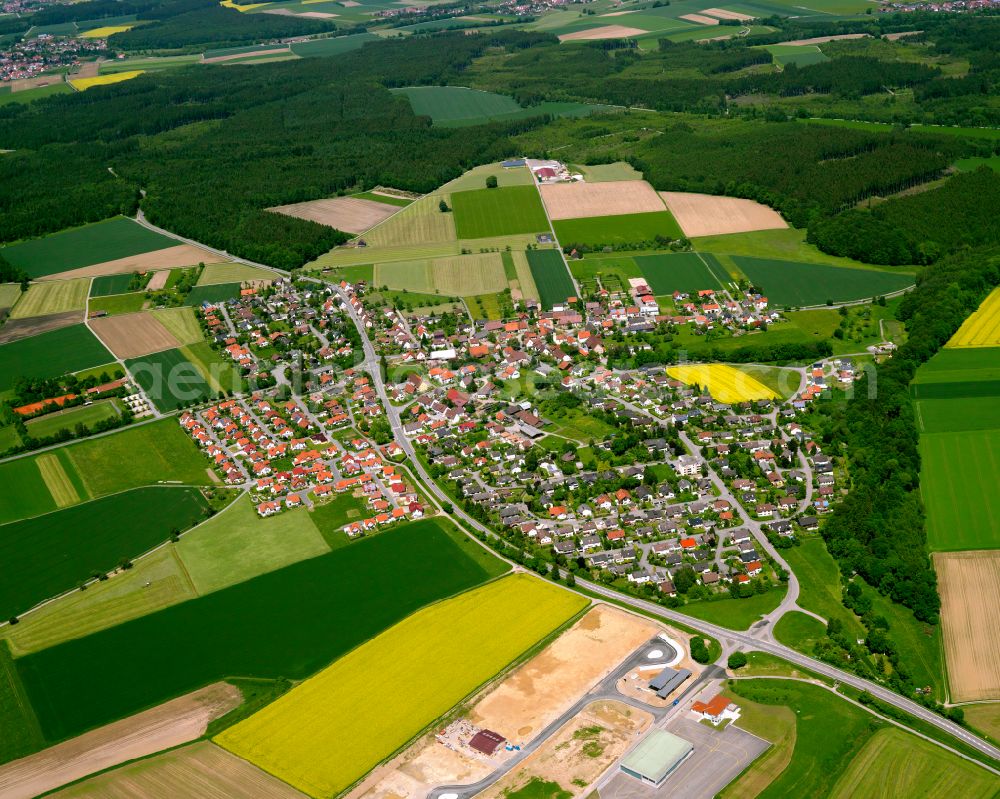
{"x":168,"y":258}
{"x":604,"y":32}
{"x":722,"y":14}
{"x":709,"y":215}
{"x":134,"y":334}
{"x":699,"y":19}
{"x":158,"y":280}
{"x":171,"y":724}
{"x":16,"y":329}
{"x":970,"y":622}
{"x":824,"y":39}
{"x":576,"y":200}
{"x":350,"y":214}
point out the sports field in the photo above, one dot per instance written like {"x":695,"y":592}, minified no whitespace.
{"x":791,"y":283}
{"x":683,"y":271}
{"x":51,"y":354}
{"x":325,"y":734}
{"x":54,"y":297}
{"x":49,"y":554}
{"x":118,"y":304}
{"x":982,"y":329}
{"x":483,"y":213}
{"x":169,"y":379}
{"x":84,"y":246}
{"x":723,"y":382}
{"x":181,"y":322}
{"x":288,"y":623}
{"x":600,"y":231}
{"x":551,"y":277}
{"x":214,"y":274}
{"x":88,"y":415}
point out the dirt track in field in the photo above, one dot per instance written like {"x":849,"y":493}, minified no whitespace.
{"x":604,"y":32}
{"x":15,"y":329}
{"x":970,"y":622}
{"x":709,"y":215}
{"x":134,"y":334}
{"x":168,"y":258}
{"x":350,"y":214}
{"x":171,"y":724}
{"x":578,"y":200}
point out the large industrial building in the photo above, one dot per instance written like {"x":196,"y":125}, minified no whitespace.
{"x":668,"y":681}
{"x":656,"y":757}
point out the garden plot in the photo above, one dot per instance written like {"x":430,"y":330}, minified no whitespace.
{"x":350,"y":214}
{"x":709,"y":215}
{"x":133,"y":335}
{"x":576,"y":200}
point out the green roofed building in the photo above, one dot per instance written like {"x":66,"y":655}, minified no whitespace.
{"x":656,"y":757}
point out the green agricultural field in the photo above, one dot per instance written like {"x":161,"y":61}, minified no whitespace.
{"x":684,"y":271}
{"x":152,"y":64}
{"x":958,"y":414}
{"x":169,"y":379}
{"x":22,"y":735}
{"x":107,"y":285}
{"x":451,"y":106}
{"x":736,"y":614}
{"x":84,"y":246}
{"x":551,"y":277}
{"x":181,"y":322}
{"x":958,"y":479}
{"x":218,"y":274}
{"x":385,"y":199}
{"x":220,"y":374}
{"x":484,"y":213}
{"x":420,"y":224}
{"x":985,"y":718}
{"x":796,"y":284}
{"x":88,"y":415}
{"x":51,"y":354}
{"x":600,"y":231}
{"x":332,"y":46}
{"x":783,"y":244}
{"x":522,"y":279}
{"x":800,"y":55}
{"x":601,"y":266}
{"x":219,"y":292}
{"x":606,"y":173}
{"x":456,"y":276}
{"x":959,"y":372}
{"x":57,"y":296}
{"x":972,"y":164}
{"x":29,"y":95}
{"x":118,"y":303}
{"x":819,"y":582}
{"x":288,"y":623}
{"x":897,"y":765}
{"x":237,"y":545}
{"x":475,"y":178}
{"x":25,"y":493}
{"x":50,"y":554}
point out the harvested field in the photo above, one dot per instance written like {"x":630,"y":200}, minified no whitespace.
{"x":201,"y":769}
{"x":710,"y":215}
{"x":969,"y":583}
{"x":822,"y":39}
{"x":699,"y":19}
{"x":603,"y":32}
{"x":172,"y":723}
{"x":16,"y":329}
{"x":349,"y":214}
{"x":419,"y":223}
{"x":218,"y":274}
{"x":168,"y":258}
{"x":158,"y":280}
{"x":181,"y":322}
{"x":722,"y":14}
{"x":576,"y":200}
{"x":43,"y":299}
{"x":133,"y":335}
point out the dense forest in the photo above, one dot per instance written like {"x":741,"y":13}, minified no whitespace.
{"x":877,"y":530}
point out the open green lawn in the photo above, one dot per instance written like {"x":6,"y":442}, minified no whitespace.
{"x":288,"y":623}
{"x":791,"y":283}
{"x":22,"y":734}
{"x":736,"y":614}
{"x":601,"y":231}
{"x":799,"y":631}
{"x":331,"y":516}
{"x":684,"y":271}
{"x":88,"y":415}
{"x":483,"y":213}
{"x":169,"y":379}
{"x":51,"y":354}
{"x":118,"y":303}
{"x":577,"y":424}
{"x":819,"y":583}
{"x":605,"y":267}
{"x":237,"y":545}
{"x":985,"y":718}
{"x":84,"y":246}
{"x":552,"y":280}
{"x":50,"y":554}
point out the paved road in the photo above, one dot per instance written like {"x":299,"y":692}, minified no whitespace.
{"x":730,"y":640}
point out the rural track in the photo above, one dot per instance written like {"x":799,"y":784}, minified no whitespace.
{"x":731,"y":640}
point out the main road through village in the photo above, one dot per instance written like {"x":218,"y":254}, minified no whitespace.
{"x":758,"y":638}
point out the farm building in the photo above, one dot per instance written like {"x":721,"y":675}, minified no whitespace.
{"x":656,"y":757}
{"x":668,"y":680}
{"x":487,"y":742}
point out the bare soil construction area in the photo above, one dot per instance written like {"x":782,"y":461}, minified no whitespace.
{"x":134,"y":334}
{"x":970,"y":621}
{"x":167,"y":258}
{"x":201,"y":770}
{"x":604,"y":32}
{"x":350,"y":214}
{"x":16,"y":329}
{"x":580,"y":751}
{"x":577,"y":200}
{"x":171,"y":724}
{"x":710,"y":215}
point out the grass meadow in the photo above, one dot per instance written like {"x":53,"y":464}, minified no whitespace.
{"x":735,"y":614}
{"x":484,"y":213}
{"x":819,"y":583}
{"x":288,"y":623}
{"x":792,"y":283}
{"x":51,"y":354}
{"x":107,"y":285}
{"x":684,"y":271}
{"x":22,"y":735}
{"x":217,"y":292}
{"x":552,"y":280}
{"x":57,"y":296}
{"x":118,"y":303}
{"x":318,"y":737}
{"x":182,"y":324}
{"x":216,"y":274}
{"x":88,"y":415}
{"x":599,"y":231}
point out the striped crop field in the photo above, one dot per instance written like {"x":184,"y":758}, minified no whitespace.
{"x":982,"y":329}
{"x":328,"y":732}
{"x":724,"y":383}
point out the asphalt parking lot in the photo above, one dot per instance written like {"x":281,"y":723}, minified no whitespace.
{"x":718,"y":758}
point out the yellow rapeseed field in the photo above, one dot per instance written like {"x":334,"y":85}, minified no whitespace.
{"x":328,"y":732}
{"x":105,"y":32}
{"x":243,"y":8}
{"x":103,"y":80}
{"x":982,"y":329}
{"x":724,"y":383}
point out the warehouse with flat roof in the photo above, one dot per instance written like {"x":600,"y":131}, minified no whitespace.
{"x":668,"y":681}
{"x":656,"y":757}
